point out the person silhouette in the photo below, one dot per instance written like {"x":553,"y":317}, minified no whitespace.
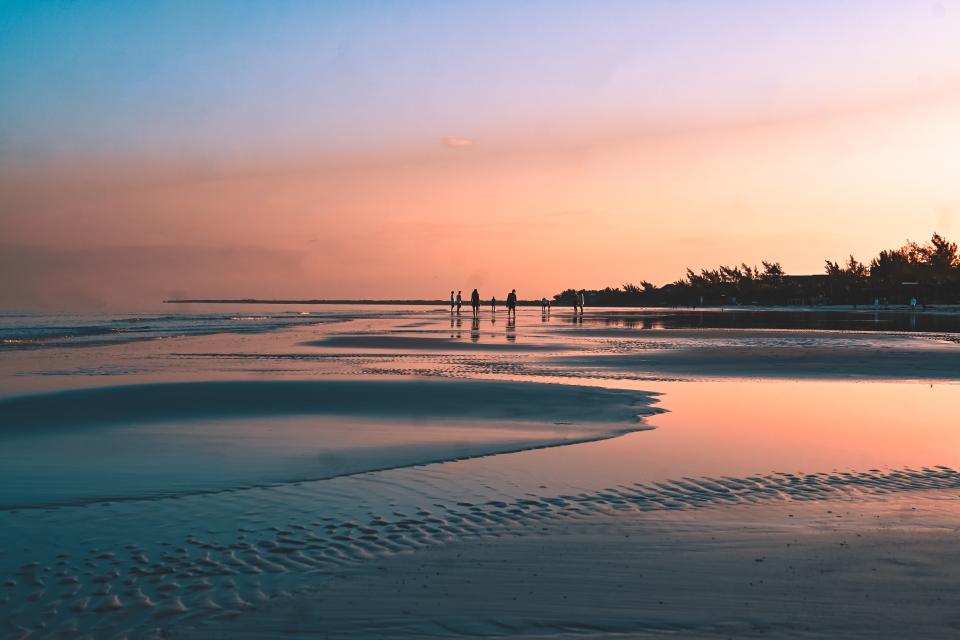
{"x":512,"y":303}
{"x":475,"y":302}
{"x":459,"y":302}
{"x":582,"y":298}
{"x":452,"y":301}
{"x":493,"y":304}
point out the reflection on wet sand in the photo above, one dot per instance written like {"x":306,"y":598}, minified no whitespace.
{"x":733,"y":429}
{"x":475,"y":329}
{"x":776,"y":318}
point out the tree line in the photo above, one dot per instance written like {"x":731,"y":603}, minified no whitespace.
{"x":928,"y":273}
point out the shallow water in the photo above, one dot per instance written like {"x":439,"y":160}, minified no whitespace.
{"x":63,"y":330}
{"x":172,"y":439}
{"x":740,"y":429}
{"x":69,"y":330}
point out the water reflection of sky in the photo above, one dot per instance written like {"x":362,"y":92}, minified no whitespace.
{"x":741,"y":428}
{"x":866,"y":320}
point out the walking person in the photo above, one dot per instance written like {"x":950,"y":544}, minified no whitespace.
{"x":512,"y":303}
{"x":452,"y":301}
{"x":459,"y":302}
{"x":475,"y":302}
{"x":583,"y":298}
{"x":493,"y":304}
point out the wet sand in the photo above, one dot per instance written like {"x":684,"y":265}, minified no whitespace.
{"x":828,"y":568}
{"x":442,"y":343}
{"x":323,"y":480}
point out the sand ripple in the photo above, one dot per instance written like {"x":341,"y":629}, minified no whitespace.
{"x":144,"y":587}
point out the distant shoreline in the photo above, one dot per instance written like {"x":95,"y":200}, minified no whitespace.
{"x":329,"y":302}
{"x":443,"y":303}
{"x":316,"y":301}
{"x":535,"y":303}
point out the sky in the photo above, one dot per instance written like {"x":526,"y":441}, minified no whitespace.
{"x":403,"y":149}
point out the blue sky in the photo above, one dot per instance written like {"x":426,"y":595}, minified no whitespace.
{"x":219,"y":78}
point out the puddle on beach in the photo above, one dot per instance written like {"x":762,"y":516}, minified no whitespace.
{"x":170,"y":460}
{"x":739,"y":428}
{"x":171,"y":439}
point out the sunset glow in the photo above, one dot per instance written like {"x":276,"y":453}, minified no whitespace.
{"x":370,"y":150}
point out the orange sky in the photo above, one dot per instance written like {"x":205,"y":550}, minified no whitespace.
{"x":578,"y":193}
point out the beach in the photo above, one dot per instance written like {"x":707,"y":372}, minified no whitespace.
{"x":408,"y":472}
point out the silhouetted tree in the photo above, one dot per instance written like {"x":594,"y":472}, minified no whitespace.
{"x":772,"y":272}
{"x":931,"y":270}
{"x":940,"y":257}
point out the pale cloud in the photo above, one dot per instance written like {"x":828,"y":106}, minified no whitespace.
{"x":452,"y":141}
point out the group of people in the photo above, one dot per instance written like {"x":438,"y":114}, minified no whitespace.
{"x":579,"y":299}
{"x":456,"y":301}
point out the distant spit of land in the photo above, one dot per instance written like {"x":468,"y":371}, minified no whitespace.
{"x":466,"y":303}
